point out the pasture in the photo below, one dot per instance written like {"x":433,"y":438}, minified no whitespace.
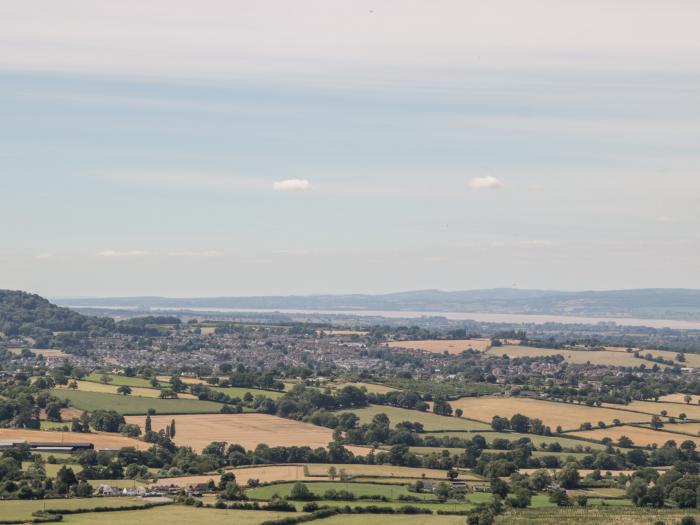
{"x":538,"y":441}
{"x":429,"y":420}
{"x":620,"y":515}
{"x":118,"y":380}
{"x":318,"y":488}
{"x":247,"y":430}
{"x":640,"y":436}
{"x":175,"y":515}
{"x":568,"y":415}
{"x":22,"y":509}
{"x":440,"y":346}
{"x":387,"y":471}
{"x":92,"y":401}
{"x":239,"y":391}
{"x":389,"y":519}
{"x":100,"y":440}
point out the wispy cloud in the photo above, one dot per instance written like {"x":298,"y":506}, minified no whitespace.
{"x":118,"y":253}
{"x":43,"y":256}
{"x":292,"y":185}
{"x":485,"y":183}
{"x":195,"y":253}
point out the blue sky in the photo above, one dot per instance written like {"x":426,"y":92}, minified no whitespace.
{"x":233,"y":149}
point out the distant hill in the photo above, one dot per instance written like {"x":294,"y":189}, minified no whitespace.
{"x":652,"y":303}
{"x":22,"y":313}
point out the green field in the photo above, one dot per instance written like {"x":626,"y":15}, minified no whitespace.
{"x":235,"y":391}
{"x":452,"y":506}
{"x":318,"y":488}
{"x":175,"y":515}
{"x":429,"y":420}
{"x":512,"y":436}
{"x":134,"y":405}
{"x":622,"y":515}
{"x":393,"y":519}
{"x":52,"y":469}
{"x":22,"y":509}
{"x":536,"y":453}
{"x":118,"y":380}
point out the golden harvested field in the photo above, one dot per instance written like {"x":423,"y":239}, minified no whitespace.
{"x":683,"y":428}
{"x":568,"y":415}
{"x":100,"y":440}
{"x":186,"y":380}
{"x":639,"y":435}
{"x":46,"y":352}
{"x":371,"y":387}
{"x":248,"y":430}
{"x":91,"y":386}
{"x":691,"y":360}
{"x":439,"y":346}
{"x":264,"y":474}
{"x":386,"y":471}
{"x":679,"y":398}
{"x":577,"y":357}
{"x":652,"y":407}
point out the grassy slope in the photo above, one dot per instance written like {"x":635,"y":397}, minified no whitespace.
{"x":135,"y":405}
{"x":429,"y":420}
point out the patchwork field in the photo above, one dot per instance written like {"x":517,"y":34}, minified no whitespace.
{"x":429,"y":420}
{"x":568,"y":415}
{"x":639,"y":435}
{"x":439,"y":346}
{"x":248,"y":430}
{"x":100,"y":440}
{"x":91,"y":401}
{"x":595,"y":516}
{"x":136,"y":391}
{"x":175,"y":515}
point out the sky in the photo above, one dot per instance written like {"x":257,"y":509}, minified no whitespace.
{"x":223,"y":147}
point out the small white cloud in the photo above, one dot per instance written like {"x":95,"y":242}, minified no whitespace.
{"x":292,"y":185}
{"x":485,"y":183}
{"x":43,"y":255}
{"x":203,"y":253}
{"x":665,"y":218}
{"x":116,"y":253}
